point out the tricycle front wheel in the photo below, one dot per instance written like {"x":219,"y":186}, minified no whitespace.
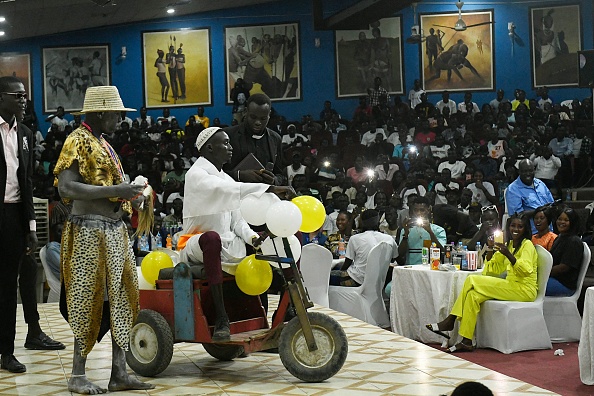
{"x":318,"y":365}
{"x":151,"y":344}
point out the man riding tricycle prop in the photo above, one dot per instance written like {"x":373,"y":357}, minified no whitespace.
{"x":201,"y":303}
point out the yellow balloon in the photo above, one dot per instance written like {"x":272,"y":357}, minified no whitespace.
{"x":253,"y":277}
{"x":313,"y":213}
{"x":152,"y":263}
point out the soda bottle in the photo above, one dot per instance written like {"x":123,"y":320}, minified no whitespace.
{"x":158,"y":241}
{"x":168,"y":241}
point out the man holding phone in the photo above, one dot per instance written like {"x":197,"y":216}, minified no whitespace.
{"x":417,"y":230}
{"x":253,"y":136}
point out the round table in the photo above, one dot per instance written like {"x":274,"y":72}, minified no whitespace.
{"x":421,"y":296}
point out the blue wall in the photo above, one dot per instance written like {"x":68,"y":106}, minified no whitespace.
{"x":317,"y":64}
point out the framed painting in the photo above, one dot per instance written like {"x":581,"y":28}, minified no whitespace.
{"x":556,"y":38}
{"x":266,"y":58}
{"x":176,"y":68}
{"x":457,"y":60}
{"x":19,"y":66}
{"x":362,"y":55}
{"x":69,"y":71}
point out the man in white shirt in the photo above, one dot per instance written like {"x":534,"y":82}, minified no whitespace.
{"x":352,"y":272}
{"x":18,"y":238}
{"x":456,"y":167}
{"x":546,"y":167}
{"x":468,"y":106}
{"x":446,"y":102}
{"x":293,"y":138}
{"x":212,"y":208}
{"x":369,"y":137}
{"x":144,"y":117}
{"x":165,"y":118}
{"x":58,"y":119}
{"x":414,"y":95}
{"x":446,"y":183}
{"x":498,"y":100}
{"x":123,"y":118}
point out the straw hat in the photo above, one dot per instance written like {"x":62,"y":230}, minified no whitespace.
{"x":102,"y":98}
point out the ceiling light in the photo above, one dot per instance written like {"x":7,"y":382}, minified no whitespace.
{"x":170,"y":10}
{"x":2,"y":19}
{"x":2,"y":33}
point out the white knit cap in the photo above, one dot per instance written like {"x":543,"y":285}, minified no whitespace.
{"x":205,"y":135}
{"x":102,"y":98}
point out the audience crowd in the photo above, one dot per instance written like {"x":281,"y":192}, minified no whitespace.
{"x":460,"y":157}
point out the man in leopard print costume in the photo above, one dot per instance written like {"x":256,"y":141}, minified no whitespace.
{"x":96,"y":255}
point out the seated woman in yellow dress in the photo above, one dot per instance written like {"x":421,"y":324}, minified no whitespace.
{"x":519,"y":258}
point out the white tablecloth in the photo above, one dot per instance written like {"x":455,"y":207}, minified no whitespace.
{"x":421,"y":296}
{"x":586,"y":348}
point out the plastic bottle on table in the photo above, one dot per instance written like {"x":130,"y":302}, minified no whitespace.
{"x":143,"y":243}
{"x":158,"y":241}
{"x":457,"y":256}
{"x":425,"y":255}
{"x":464,"y":259}
{"x":168,"y":241}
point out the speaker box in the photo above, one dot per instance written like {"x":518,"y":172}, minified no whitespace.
{"x":586,"y":69}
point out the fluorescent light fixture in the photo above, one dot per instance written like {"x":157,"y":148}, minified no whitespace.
{"x":170,"y":10}
{"x":2,"y":19}
{"x":2,"y":33}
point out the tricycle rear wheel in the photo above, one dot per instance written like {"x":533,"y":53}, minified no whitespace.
{"x":318,"y":365}
{"x":151,"y":344}
{"x":223,"y":352}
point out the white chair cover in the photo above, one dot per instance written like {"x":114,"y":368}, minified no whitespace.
{"x":511,"y":326}
{"x":586,"y":347}
{"x":316,"y":263}
{"x":561,"y":314}
{"x":366,"y":301}
{"x":53,"y":282}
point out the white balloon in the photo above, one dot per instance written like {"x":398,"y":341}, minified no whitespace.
{"x":283,"y":219}
{"x":268,"y":248}
{"x":253,"y":209}
{"x":171,"y":253}
{"x":142,"y":283}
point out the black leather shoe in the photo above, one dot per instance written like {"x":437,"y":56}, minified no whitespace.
{"x":10,"y":363}
{"x":43,"y":342}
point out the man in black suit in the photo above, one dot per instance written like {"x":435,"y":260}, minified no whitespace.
{"x":253,"y":136}
{"x":18,"y":237}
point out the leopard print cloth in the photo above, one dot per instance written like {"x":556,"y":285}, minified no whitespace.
{"x":96,"y":252}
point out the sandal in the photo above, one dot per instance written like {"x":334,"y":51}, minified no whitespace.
{"x":460,"y":347}
{"x":435,"y":328}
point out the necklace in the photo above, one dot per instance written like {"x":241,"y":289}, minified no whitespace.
{"x":110,"y":151}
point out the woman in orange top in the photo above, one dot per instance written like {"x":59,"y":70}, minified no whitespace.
{"x":544,"y":236}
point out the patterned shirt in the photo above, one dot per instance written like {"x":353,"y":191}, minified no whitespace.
{"x":95,"y":165}
{"x":376,"y":94}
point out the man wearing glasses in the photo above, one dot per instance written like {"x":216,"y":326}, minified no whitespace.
{"x":527,"y":193}
{"x":17,"y":226}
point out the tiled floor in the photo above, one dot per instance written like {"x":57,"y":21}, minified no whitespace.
{"x":379,"y":363}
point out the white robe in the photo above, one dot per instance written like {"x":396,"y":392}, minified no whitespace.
{"x":211,"y":203}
